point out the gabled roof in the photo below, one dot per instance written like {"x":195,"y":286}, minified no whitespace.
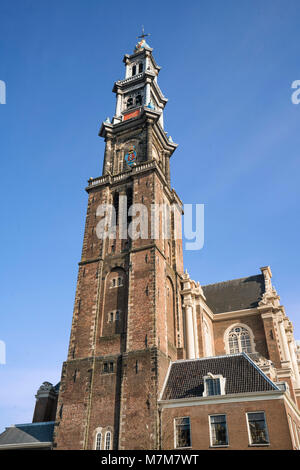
{"x":238,"y":294}
{"x":27,"y":434}
{"x":185,"y":378}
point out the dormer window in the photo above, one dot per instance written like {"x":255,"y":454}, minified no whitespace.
{"x":214,"y":385}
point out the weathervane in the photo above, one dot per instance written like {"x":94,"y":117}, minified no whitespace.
{"x":143,"y":35}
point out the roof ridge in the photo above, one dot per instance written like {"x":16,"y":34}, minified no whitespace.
{"x":231,"y":280}
{"x":207,"y":357}
{"x":42,"y":423}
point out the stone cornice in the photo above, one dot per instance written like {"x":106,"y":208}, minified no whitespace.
{"x":237,"y":313}
{"x":143,"y":167}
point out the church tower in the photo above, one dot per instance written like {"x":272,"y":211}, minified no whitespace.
{"x":127,"y":323}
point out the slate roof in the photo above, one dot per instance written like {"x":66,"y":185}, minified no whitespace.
{"x":238,"y":294}
{"x":185,"y":378}
{"x":27,"y":433}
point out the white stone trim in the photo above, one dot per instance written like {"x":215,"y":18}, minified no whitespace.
{"x":231,"y":398}
{"x":234,"y":314}
{"x":165,"y":382}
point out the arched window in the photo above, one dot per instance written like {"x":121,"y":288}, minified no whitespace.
{"x":98,"y":441}
{"x":239,"y":340}
{"x":107,"y":440}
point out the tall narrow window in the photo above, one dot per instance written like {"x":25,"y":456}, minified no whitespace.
{"x":213,"y":387}
{"x":98,"y":441}
{"x":141,"y":67}
{"x":182,"y":432}
{"x":257,"y":425}
{"x":138,"y":100}
{"x":134,"y":70}
{"x":116,"y":206}
{"x":130,"y":102}
{"x":107,"y":440}
{"x":218,"y":430}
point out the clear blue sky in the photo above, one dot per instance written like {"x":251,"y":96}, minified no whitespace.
{"x":227,"y":69}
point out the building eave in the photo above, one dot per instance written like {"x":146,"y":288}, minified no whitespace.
{"x":230,"y":398}
{"x":25,"y":445}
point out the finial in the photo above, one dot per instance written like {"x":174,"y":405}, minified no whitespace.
{"x":142,"y":43}
{"x":143,"y":35}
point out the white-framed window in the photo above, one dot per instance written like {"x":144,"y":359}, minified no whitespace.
{"x":182,"y":430}
{"x":218,"y":430}
{"x":214,"y":385}
{"x":239,"y":338}
{"x":107,"y":440}
{"x":98,"y":441}
{"x":257,"y":428}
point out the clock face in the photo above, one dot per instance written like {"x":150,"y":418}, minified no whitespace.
{"x":130,"y":156}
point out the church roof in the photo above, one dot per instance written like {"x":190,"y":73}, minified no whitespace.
{"x":238,"y":294}
{"x":185,"y":379}
{"x":28,"y":434}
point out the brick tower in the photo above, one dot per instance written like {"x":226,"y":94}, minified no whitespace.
{"x":126,"y":324}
